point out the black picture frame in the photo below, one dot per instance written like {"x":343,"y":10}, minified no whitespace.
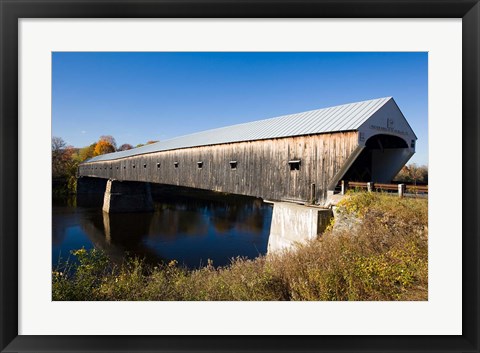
{"x":11,"y":11}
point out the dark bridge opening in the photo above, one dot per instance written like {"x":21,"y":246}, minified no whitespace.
{"x":381,"y":159}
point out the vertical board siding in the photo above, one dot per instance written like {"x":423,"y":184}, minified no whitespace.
{"x":262,"y":166}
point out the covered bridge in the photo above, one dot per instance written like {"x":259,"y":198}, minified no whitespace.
{"x":298,"y":157}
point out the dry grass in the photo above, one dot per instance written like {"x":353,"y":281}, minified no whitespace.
{"x":384,"y":257}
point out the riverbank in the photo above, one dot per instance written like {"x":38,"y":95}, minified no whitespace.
{"x":383,"y":257}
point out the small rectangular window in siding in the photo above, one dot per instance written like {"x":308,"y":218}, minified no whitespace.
{"x":294,"y":164}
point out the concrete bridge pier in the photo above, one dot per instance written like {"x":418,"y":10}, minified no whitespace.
{"x":127,"y":196}
{"x":292,"y":223}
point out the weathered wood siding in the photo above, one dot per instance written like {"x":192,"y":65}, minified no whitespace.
{"x":262,"y":166}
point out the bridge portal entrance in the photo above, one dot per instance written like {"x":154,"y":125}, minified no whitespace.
{"x":380,"y":160}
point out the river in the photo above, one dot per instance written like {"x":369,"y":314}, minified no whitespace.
{"x":189,"y":226}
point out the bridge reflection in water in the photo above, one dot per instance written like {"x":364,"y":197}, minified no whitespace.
{"x":190,"y":226}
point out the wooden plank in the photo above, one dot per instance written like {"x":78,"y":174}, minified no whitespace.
{"x":383,"y":186}
{"x":262,"y":166}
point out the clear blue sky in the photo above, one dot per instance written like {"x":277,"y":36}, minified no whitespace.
{"x":136,"y":97}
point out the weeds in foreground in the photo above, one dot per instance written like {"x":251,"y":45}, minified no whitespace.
{"x":385,"y":257}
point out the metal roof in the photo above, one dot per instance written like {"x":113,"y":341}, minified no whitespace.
{"x":333,"y":119}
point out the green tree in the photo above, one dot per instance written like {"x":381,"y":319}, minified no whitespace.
{"x":87,"y":152}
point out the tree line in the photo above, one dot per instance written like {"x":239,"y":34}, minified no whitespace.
{"x":66,"y":158}
{"x":413,"y":174}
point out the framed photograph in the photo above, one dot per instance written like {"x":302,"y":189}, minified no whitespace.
{"x":239,"y":176}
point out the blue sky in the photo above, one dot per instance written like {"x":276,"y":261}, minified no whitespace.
{"x":136,"y":97}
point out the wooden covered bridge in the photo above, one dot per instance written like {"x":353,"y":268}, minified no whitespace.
{"x":298,"y":157}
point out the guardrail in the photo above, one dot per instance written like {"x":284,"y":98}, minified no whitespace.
{"x":402,"y":189}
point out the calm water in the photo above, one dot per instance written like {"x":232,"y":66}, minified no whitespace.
{"x":190,"y":227}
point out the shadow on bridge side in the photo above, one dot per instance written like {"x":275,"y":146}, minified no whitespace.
{"x":290,"y":222}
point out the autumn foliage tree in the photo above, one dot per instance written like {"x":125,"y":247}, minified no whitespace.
{"x":64,"y":166}
{"x":58,"y":148}
{"x":413,"y":173}
{"x":103,"y":147}
{"x":125,"y":147}
{"x":61,"y":157}
{"x":65,"y":159}
{"x":110,"y":140}
{"x":149,"y":142}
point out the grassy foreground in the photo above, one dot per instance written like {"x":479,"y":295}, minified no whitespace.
{"x":383,"y":257}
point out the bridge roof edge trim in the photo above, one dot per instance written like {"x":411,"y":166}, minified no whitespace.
{"x":346,"y":117}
